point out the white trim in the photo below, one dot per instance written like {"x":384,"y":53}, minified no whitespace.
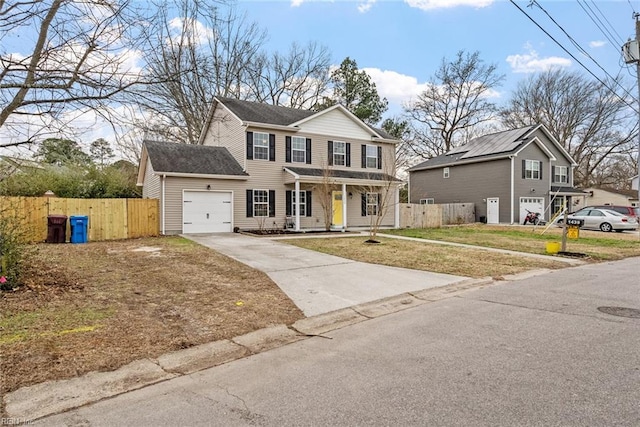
{"x":260,"y":125}
{"x":203,"y":175}
{"x":555,"y":141}
{"x":396,"y":222}
{"x":297,"y":202}
{"x":344,"y":206}
{"x":540,"y":145}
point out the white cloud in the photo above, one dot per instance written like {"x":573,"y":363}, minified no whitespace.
{"x":396,"y":87}
{"x":597,"y":43}
{"x":365,"y":6}
{"x":532,"y":63}
{"x":444,"y":4}
{"x":296,"y":3}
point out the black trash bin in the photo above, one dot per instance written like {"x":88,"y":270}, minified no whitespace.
{"x":56,"y":228}
{"x":483,"y":219}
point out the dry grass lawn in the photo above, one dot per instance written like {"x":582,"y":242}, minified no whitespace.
{"x":425,"y":256}
{"x":99,"y":306}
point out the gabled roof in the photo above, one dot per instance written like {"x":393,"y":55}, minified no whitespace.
{"x":174,"y":158}
{"x":256,"y":112}
{"x":493,"y":146}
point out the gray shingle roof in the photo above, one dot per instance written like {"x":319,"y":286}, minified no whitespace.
{"x":264,"y":113}
{"x":492,"y":145}
{"x":171,"y":157}
{"x":272,"y":114}
{"x":336,"y":173}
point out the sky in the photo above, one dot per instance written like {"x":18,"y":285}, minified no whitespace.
{"x":401,"y":43}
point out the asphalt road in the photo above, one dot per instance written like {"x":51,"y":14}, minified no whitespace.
{"x":531,"y":352}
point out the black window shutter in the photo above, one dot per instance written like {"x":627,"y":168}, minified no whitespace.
{"x":287,"y":148}
{"x":379,"y":157}
{"x":272,"y":203}
{"x":250,"y":145}
{"x":308,"y":203}
{"x":330,"y":152}
{"x":524,"y":168}
{"x":553,"y":173}
{"x":272,"y":147}
{"x":363,"y":157}
{"x":288,"y":211}
{"x":348,"y":162}
{"x":378,"y":196}
{"x":540,"y":170}
{"x":308,"y":147}
{"x":249,"y":203}
{"x":363,"y":204}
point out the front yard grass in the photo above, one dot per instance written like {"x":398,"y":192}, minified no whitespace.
{"x":99,"y":306}
{"x":597,"y":245}
{"x":424,"y":256}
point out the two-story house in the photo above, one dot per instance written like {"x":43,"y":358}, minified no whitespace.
{"x":504,"y":174}
{"x":261,"y":166}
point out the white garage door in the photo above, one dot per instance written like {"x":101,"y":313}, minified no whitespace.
{"x":206,"y":211}
{"x":534,"y":204}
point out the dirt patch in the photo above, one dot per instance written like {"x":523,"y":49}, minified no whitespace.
{"x":99,"y":306}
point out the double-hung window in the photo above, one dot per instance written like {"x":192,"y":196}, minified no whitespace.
{"x":298,"y":149}
{"x":372,"y":156}
{"x":445,"y":173}
{"x":561,"y":174}
{"x":260,"y":203}
{"x":532,"y":169}
{"x":260,"y":146}
{"x":303,"y":203}
{"x":339,"y":153}
{"x":372,"y":203}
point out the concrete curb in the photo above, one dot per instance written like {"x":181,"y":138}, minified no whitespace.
{"x":52,"y":397}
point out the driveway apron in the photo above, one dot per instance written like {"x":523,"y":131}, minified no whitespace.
{"x":319,"y":283}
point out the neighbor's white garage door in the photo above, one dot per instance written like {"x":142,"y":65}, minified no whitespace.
{"x":206,"y":211}
{"x":534,"y":204}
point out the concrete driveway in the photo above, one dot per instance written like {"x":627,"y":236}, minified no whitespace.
{"x":319,"y":283}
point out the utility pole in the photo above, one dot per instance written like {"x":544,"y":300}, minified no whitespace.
{"x":631,"y":54}
{"x":636,"y":16}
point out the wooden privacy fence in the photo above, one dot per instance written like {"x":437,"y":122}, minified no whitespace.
{"x":109,"y":219}
{"x":413,"y":215}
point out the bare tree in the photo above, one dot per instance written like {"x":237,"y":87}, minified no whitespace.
{"x":454,"y":105}
{"x":297,"y":78}
{"x":323,"y":191}
{"x":81,"y":55}
{"x":207,"y":50}
{"x":590,"y":121}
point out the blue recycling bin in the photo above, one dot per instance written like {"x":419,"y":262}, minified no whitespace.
{"x":79,"y":228}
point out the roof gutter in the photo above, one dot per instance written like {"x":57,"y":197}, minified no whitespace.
{"x":270,"y":126}
{"x":203,"y":175}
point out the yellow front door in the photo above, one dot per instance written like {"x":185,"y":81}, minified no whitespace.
{"x":336,"y":206}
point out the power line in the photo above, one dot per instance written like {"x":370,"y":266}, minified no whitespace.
{"x":601,"y":25}
{"x":576,"y":59}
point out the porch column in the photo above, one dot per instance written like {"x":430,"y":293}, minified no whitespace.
{"x":344,"y":206}
{"x":396,"y":222}
{"x":297,"y":203}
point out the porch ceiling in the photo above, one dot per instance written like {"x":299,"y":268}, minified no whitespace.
{"x":337,"y":176}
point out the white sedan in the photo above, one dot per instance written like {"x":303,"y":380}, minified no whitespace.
{"x":603,"y":219}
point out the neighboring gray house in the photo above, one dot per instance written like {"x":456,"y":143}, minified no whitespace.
{"x":263,"y":166}
{"x":504,"y":174}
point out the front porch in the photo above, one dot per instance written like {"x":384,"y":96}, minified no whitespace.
{"x":345,"y":199}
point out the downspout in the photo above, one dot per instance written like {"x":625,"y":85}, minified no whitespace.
{"x":163,"y":186}
{"x":513,"y":190}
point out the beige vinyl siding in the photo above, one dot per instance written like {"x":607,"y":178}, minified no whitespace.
{"x":226,"y":131}
{"x":151,"y":185}
{"x":338,"y":123}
